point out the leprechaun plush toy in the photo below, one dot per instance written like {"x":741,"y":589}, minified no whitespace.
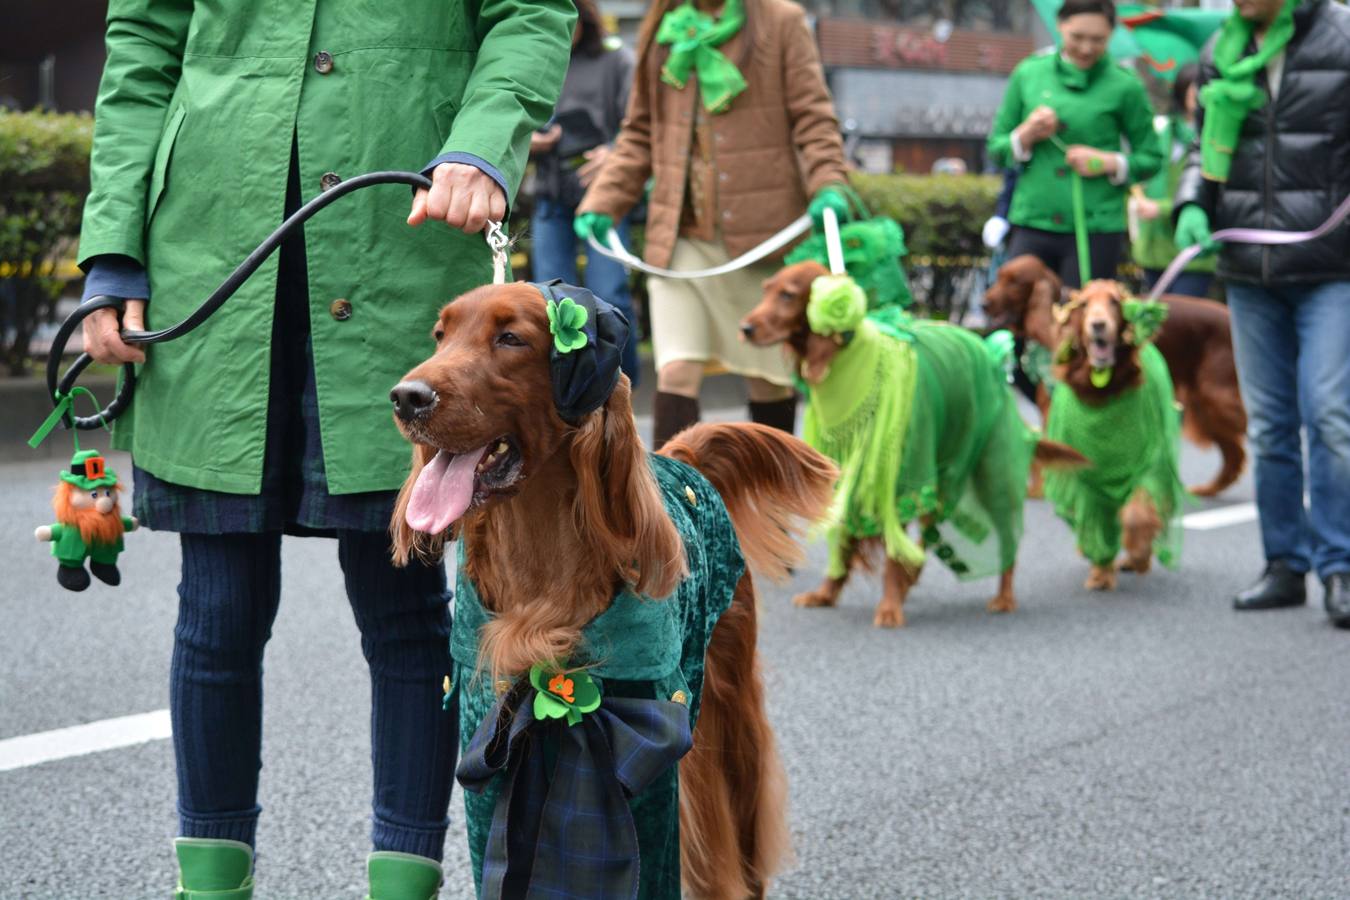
{"x":89,"y":522}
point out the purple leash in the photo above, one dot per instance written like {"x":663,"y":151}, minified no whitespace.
{"x":1248,"y":236}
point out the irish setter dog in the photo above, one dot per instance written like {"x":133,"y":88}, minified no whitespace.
{"x":557,"y":518}
{"x":1195,"y":340}
{"x":780,"y":318}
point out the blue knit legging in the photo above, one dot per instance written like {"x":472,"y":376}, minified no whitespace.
{"x":227,"y":600}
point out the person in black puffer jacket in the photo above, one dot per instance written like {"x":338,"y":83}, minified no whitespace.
{"x":1288,"y":170}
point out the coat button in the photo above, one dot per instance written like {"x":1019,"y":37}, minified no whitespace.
{"x":323,"y":62}
{"x":329,"y":180}
{"x":502,"y":686}
{"x":723,"y":176}
{"x":726,"y":215}
{"x":680,"y":698}
{"x":341,"y":309}
{"x":1057,"y":218}
{"x":1062,"y":171}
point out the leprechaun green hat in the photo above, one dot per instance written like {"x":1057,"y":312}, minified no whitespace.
{"x":88,"y":470}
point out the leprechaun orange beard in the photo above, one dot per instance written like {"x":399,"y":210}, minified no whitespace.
{"x":95,"y":527}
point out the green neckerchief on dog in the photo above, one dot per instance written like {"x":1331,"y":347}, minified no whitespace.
{"x":1228,"y":99}
{"x":693,"y":38}
{"x":638,"y":648}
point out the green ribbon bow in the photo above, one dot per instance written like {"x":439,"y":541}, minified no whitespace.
{"x":1231,"y":97}
{"x":837,"y":305}
{"x":561,"y":693}
{"x":566,"y":321}
{"x":64,"y":404}
{"x":693,"y":37}
{"x":1146,"y":318}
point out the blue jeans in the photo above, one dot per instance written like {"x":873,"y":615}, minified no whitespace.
{"x":554,"y":255}
{"x":227,"y":601}
{"x":1189,"y":284}
{"x":1293,"y":359}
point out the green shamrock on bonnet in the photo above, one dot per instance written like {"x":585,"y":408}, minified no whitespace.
{"x":566,"y":321}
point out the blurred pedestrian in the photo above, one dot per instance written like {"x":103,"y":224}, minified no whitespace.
{"x":1074,"y":110}
{"x":1274,"y":152}
{"x":213,"y":121}
{"x":1151,"y":241}
{"x":568,"y":154}
{"x":731,"y":113}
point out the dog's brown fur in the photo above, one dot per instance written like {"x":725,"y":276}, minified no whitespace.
{"x":780,"y":318}
{"x":1195,"y":340}
{"x":588,"y":489}
{"x":1099,"y":303}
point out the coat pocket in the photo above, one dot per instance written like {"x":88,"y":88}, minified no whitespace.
{"x":159,"y":175}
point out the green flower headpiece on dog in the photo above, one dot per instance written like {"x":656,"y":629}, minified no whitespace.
{"x":837,"y":305}
{"x":1145,"y":318}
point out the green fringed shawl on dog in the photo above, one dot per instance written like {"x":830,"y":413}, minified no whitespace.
{"x":639,"y":647}
{"x":922,"y":424}
{"x":1134,"y":443}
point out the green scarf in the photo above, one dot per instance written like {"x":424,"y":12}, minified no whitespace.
{"x":858,"y":416}
{"x":1228,"y":99}
{"x":693,"y":37}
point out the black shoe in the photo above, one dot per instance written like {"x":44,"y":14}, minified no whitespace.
{"x":1278,"y":587}
{"x":72,"y":578}
{"x":106,"y":573}
{"x":1337,"y":598}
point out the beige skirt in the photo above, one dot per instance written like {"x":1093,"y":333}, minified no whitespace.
{"x":700,"y":320}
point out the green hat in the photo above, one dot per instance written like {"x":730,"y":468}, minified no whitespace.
{"x":88,"y":471}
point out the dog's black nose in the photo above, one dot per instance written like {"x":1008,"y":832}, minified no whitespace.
{"x":412,"y":399}
{"x":1097,"y":327}
{"x":747,"y":329}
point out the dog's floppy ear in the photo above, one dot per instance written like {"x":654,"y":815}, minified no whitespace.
{"x":409,"y":544}
{"x":618,"y":506}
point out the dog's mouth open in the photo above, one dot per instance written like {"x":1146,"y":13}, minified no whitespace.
{"x":452,"y":483}
{"x":1101,"y":352}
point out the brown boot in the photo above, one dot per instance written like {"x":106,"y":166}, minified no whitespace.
{"x":780,"y":414}
{"x":672,"y":413}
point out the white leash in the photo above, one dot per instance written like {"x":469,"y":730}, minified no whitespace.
{"x":498,"y":241}
{"x":617,"y":251}
{"x":834,"y":246}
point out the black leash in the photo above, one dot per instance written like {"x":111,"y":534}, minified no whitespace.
{"x":60,"y":386}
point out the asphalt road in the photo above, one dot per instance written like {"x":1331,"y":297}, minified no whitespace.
{"x":1147,"y":743}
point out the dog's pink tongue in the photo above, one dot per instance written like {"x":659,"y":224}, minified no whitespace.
{"x":443,"y":491}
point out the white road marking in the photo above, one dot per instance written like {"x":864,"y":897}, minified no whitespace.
{"x":79,"y":740}
{"x":1220,"y":517}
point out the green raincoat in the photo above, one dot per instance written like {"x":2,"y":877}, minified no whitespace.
{"x":192,"y":147}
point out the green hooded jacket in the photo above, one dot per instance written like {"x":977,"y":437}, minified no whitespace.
{"x":1110,"y":104}
{"x":192,"y":147}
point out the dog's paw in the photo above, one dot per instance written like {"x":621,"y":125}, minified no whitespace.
{"x":889,"y":617}
{"x":1139,"y":566}
{"x":1101,"y":578}
{"x":820,"y":597}
{"x":1003,"y":603}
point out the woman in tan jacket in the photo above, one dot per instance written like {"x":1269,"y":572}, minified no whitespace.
{"x":730,"y":112}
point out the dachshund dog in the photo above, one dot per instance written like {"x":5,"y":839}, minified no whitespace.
{"x":963,"y":377}
{"x":556,"y":518}
{"x":1195,"y":340}
{"x":1131,"y":493}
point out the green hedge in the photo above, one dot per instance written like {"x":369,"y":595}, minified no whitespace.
{"x":942,"y":215}
{"x":44,"y":177}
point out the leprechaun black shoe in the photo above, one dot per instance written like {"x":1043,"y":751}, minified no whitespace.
{"x":72,"y":578}
{"x":106,"y":573}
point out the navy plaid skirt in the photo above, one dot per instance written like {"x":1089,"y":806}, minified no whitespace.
{"x":294,"y":497}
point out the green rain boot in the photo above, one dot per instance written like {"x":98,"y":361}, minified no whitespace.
{"x":211,"y":869}
{"x":402,"y":876}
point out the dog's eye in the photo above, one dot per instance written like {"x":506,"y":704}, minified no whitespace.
{"x":438,"y":334}
{"x":509,"y":339}
{"x":786,"y":297}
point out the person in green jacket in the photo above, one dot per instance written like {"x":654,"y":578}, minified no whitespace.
{"x":213,"y":122}
{"x":1073,"y":110}
{"x":1151,"y":241}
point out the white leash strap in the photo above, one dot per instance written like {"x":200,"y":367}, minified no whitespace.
{"x":617,"y":251}
{"x":834,"y":247}
{"x":498,"y":242}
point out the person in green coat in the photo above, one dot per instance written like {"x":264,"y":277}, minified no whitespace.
{"x":1151,"y":242}
{"x":213,"y":122}
{"x":1074,"y":110}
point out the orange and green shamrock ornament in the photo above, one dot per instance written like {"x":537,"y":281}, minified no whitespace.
{"x":560,"y":693}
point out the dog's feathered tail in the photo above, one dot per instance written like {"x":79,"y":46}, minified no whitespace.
{"x":774,"y":487}
{"x":1054,"y":455}
{"x":733,"y":790}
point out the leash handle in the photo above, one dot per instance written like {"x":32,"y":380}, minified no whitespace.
{"x":834,"y":246}
{"x":59,"y":386}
